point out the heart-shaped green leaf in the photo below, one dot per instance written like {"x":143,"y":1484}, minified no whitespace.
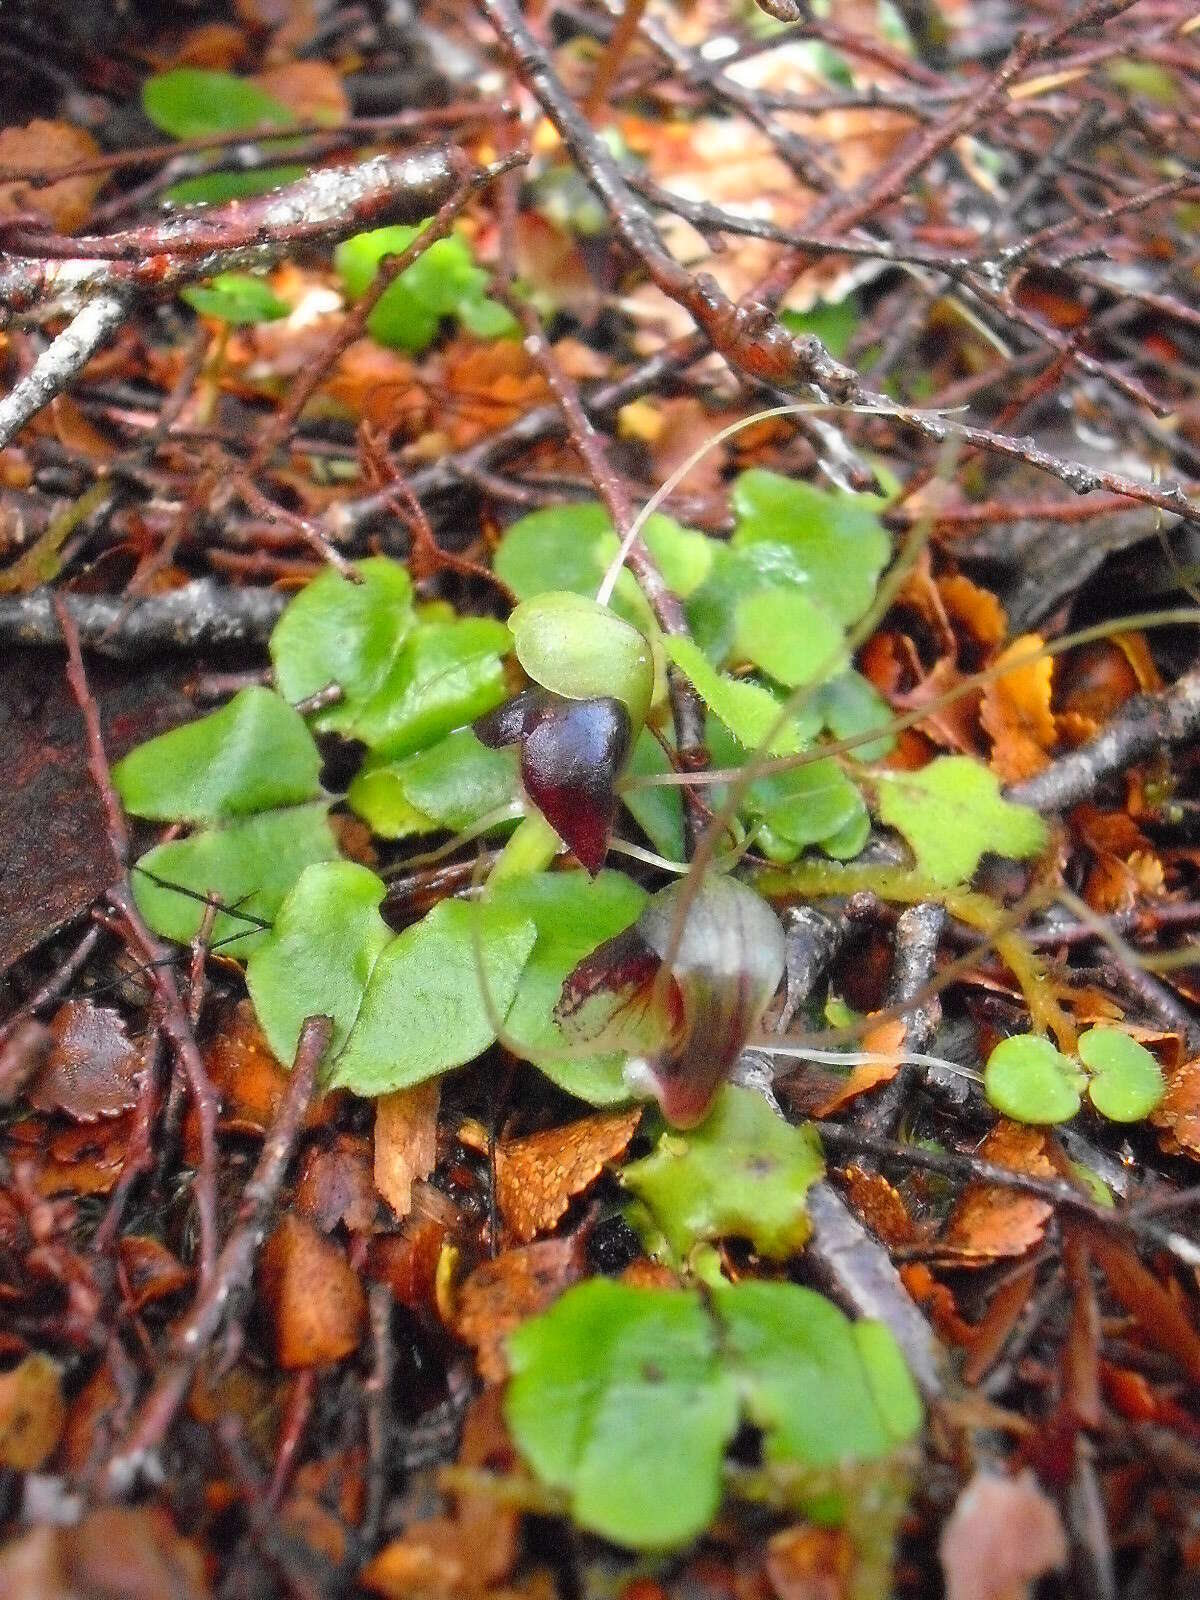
{"x":425,"y":1009}
{"x":1027,"y":1079}
{"x":236,"y":298}
{"x":248,"y":865}
{"x":251,"y":755}
{"x":319,"y":956}
{"x":1126,"y":1081}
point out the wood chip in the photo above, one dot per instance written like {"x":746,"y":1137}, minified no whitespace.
{"x":405,"y":1141}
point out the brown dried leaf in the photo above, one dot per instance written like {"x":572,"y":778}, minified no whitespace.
{"x":1003,"y":1534}
{"x":501,"y":1294}
{"x":471,"y":1550}
{"x":989,"y":1223}
{"x":37,"y":148}
{"x":1163,"y":1317}
{"x":405,"y":1141}
{"x":312,"y":90}
{"x":1015,"y":711}
{"x":32,"y":1413}
{"x":538,"y":1176}
{"x":115,"y":1553}
{"x":313,"y":1296}
{"x":1178,"y":1114}
{"x":86,"y":1159}
{"x":92,"y":1067}
{"x":807,"y":1563}
{"x":151,"y":1271}
{"x":407,"y":1261}
{"x":251,"y":1081}
{"x":337,"y":1186}
{"x":881,"y":1206}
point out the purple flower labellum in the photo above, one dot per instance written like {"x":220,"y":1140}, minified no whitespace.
{"x":571,"y":754}
{"x":687,"y":1027}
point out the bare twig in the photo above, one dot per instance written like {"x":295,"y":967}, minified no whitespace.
{"x":196,"y":617}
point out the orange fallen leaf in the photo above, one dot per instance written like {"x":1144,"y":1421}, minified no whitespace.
{"x":313,"y":1296}
{"x":538,"y":1176}
{"x":808,"y":1563}
{"x":150,"y":1271}
{"x":989,"y":1223}
{"x":499,"y":1295}
{"x":405,"y":1141}
{"x":250,"y":1081}
{"x":977,"y":609}
{"x":885,"y":1039}
{"x":312,"y":90}
{"x":115,"y":1550}
{"x":1015,"y":711}
{"x":1178,"y":1113}
{"x":1160,"y":1314}
{"x":37,"y":148}
{"x":32,"y":1413}
{"x":881,"y":1206}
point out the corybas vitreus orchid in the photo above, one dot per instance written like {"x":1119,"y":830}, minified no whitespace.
{"x":685,"y":1027}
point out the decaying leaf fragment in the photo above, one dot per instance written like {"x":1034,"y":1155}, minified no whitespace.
{"x":313,"y":1296}
{"x":539,"y":1175}
{"x":91,"y":1069}
{"x":405,"y":1141}
{"x":989,"y":1223}
{"x":501,"y":1294}
{"x":32,"y":1413}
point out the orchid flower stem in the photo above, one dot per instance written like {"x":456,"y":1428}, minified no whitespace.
{"x":532,"y":847}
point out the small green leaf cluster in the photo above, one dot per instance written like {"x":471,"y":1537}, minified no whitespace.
{"x":444,"y":282}
{"x":768,"y":611}
{"x":626,"y":1399}
{"x":1029,"y":1080}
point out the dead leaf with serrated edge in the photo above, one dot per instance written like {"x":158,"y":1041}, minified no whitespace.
{"x":1015,"y":711}
{"x":538,"y":1176}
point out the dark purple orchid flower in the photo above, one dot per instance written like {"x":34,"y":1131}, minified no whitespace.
{"x":572,"y":752}
{"x":686,"y":1028}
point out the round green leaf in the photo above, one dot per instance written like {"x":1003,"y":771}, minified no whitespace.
{"x":790,"y":637}
{"x":249,"y":865}
{"x":318,"y":957}
{"x":446,"y":674}
{"x":1126,"y":1081}
{"x":1027,"y":1079}
{"x":442,"y":282}
{"x":424,"y":1010}
{"x":351,"y":634}
{"x":450,"y":785}
{"x":193,"y":102}
{"x":579,"y":649}
{"x":833,"y":541}
{"x":252,"y":755}
{"x":619,"y":1399}
{"x":824,"y":1390}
